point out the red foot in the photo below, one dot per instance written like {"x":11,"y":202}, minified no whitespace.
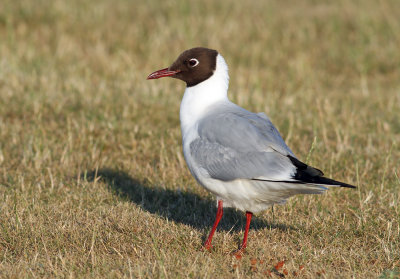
{"x":220,"y":212}
{"x":238,"y":254}
{"x":207,"y":247}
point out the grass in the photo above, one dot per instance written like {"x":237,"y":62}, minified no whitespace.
{"x":92,"y":178}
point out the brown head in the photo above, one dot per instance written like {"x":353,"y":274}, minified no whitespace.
{"x":192,"y":66}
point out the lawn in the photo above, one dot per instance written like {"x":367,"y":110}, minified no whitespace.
{"x":93,"y":183}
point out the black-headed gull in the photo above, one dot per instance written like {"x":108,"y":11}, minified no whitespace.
{"x":237,"y":155}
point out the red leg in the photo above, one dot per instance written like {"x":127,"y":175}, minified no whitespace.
{"x":246,"y":231}
{"x":220,"y":211}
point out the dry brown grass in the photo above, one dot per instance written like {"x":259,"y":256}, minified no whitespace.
{"x":92,"y":178}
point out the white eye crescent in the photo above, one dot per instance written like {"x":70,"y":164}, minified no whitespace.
{"x":193,"y":62}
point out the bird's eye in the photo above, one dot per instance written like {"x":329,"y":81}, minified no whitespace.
{"x":193,"y":62}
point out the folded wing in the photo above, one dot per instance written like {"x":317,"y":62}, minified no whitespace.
{"x":237,"y":144}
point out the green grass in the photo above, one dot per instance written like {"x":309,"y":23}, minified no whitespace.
{"x":92,"y":178}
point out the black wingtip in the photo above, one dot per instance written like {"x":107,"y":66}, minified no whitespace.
{"x":307,"y":174}
{"x":328,"y":181}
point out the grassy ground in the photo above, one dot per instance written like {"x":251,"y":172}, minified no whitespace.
{"x":92,"y":178}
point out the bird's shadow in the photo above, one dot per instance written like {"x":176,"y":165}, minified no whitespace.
{"x":180,"y":206}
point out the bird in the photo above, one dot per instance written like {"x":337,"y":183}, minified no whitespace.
{"x":237,"y":155}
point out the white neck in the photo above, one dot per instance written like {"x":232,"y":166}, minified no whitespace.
{"x":197,"y":99}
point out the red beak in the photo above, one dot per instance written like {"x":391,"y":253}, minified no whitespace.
{"x":162,"y":73}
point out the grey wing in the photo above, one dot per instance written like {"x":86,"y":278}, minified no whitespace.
{"x":235,"y":143}
{"x":240,"y":144}
{"x":276,"y":140}
{"x":225,"y":163}
{"x":243,"y":130}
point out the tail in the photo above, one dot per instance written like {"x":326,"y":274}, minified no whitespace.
{"x":309,"y":175}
